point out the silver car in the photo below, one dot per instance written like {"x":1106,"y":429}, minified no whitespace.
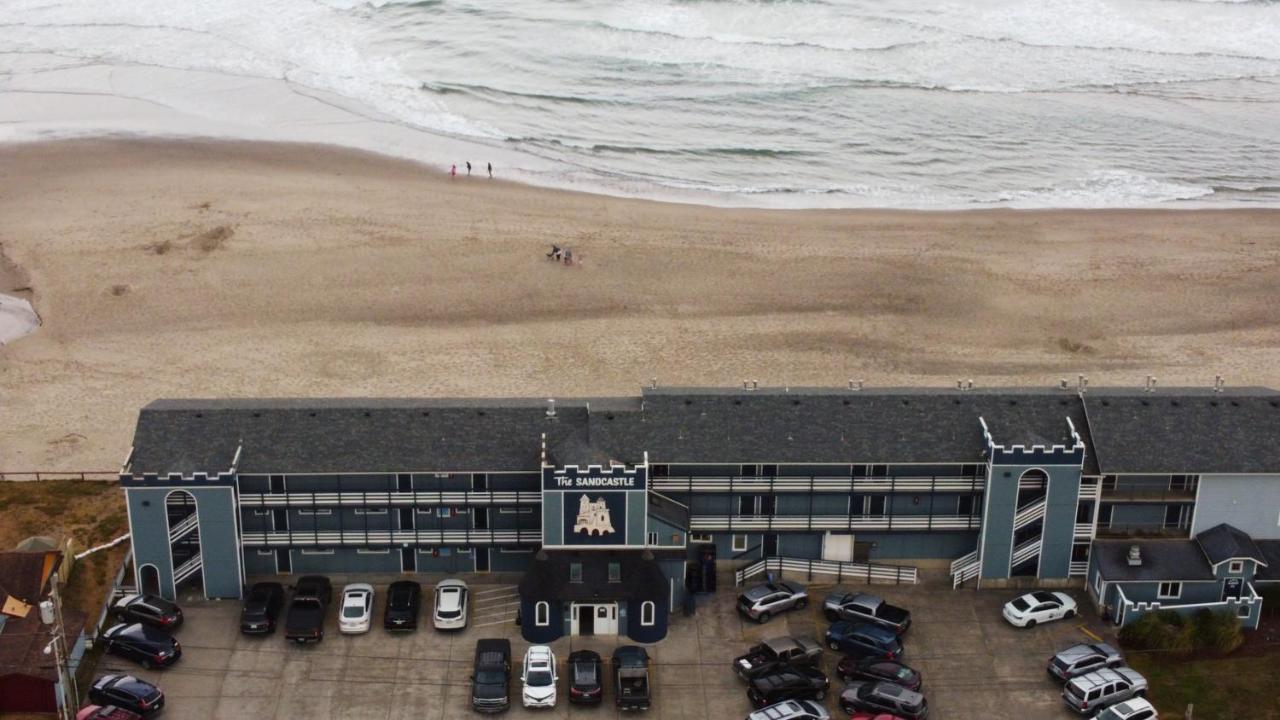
{"x":1094,"y":691}
{"x":1082,"y":659}
{"x":792,"y":710}
{"x":451,"y":605}
{"x":762,"y":602}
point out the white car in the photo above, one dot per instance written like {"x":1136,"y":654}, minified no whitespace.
{"x":357,"y":609}
{"x":539,"y":677}
{"x":1038,"y":607}
{"x":1132,"y":709}
{"x":451,"y":605}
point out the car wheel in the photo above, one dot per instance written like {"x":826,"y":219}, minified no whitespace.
{"x":1141,"y":693}
{"x":820,"y":695}
{"x":802,"y":603}
{"x":764,"y":618}
{"x":834,"y":645}
{"x":1070,"y":614}
{"x":1030,"y":623}
{"x":832,"y":615}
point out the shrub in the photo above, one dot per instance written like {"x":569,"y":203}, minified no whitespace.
{"x":1219,"y":631}
{"x":1164,"y":630}
{"x":1270,"y":594}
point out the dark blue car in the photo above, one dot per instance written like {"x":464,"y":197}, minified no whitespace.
{"x":864,"y":640}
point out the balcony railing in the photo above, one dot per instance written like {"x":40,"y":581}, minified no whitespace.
{"x":1025,"y":552}
{"x":187,"y":525}
{"x":1029,"y":514}
{"x":360,"y":538}
{"x":382,"y":499}
{"x":1147,"y":495}
{"x":1083,"y":531}
{"x":1078,"y":568}
{"x":751,"y":483}
{"x":1142,"y":530}
{"x":702,"y":523}
{"x":964,"y":568}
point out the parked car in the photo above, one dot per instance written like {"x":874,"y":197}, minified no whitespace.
{"x":404,"y":597}
{"x":142,"y":644}
{"x":539,"y":677}
{"x":787,"y":682}
{"x":797,"y":650}
{"x":791,"y":710}
{"x":1083,"y":658}
{"x":883,"y":697}
{"x":871,"y":668}
{"x":451,"y":605}
{"x":491,"y":676}
{"x":150,"y":610}
{"x":762,"y":602}
{"x":128,"y":692}
{"x":1135,"y":709}
{"x":304,"y":621}
{"x":586,"y":677}
{"x":865,"y":607}
{"x":105,"y":712}
{"x":631,"y":690}
{"x":864,"y":640}
{"x":1038,"y":607}
{"x":261,"y":608}
{"x":357,"y":609}
{"x":1091,"y":692}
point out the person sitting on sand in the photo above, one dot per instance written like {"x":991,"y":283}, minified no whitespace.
{"x":568,"y":256}
{"x":555,"y":253}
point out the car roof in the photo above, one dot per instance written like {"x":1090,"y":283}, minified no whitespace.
{"x":1100,"y":677}
{"x":357,"y":588}
{"x":538,"y":653}
{"x":1133,"y":705}
{"x":451,"y":583}
{"x":1044,"y":596}
{"x":877,"y":632}
{"x":780,"y":643}
{"x":584,"y":656}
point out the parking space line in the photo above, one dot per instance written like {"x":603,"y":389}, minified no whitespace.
{"x":1090,"y":633}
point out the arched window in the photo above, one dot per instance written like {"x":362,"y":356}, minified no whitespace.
{"x":647,"y":611}
{"x":542,"y":614}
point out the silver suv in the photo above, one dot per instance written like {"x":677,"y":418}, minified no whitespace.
{"x":762,"y":602}
{"x":1094,"y":691}
{"x":1084,"y":658}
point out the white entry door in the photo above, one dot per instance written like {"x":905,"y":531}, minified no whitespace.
{"x":607,"y":619}
{"x":837,"y":546}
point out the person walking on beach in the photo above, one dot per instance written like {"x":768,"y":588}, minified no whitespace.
{"x":490,"y":171}
{"x":468,"y":168}
{"x":453,"y":171}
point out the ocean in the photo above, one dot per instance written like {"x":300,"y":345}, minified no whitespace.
{"x":843,"y":103}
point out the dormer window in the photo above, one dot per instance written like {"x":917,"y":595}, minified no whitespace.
{"x":1235,"y":567}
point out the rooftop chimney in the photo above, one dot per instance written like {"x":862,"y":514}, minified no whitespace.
{"x":1151,"y":383}
{"x":551,"y":407}
{"x":1135,"y":556}
{"x":968,"y":384}
{"x":653,"y":383}
{"x":1062,"y":384}
{"x":1082,"y":381}
{"x":755,"y":384}
{"x":1218,"y":382}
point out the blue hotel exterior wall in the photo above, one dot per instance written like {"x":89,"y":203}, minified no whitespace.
{"x":1248,"y":502}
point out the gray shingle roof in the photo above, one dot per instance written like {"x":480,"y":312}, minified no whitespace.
{"x":1223,"y":542}
{"x":1185,"y":430}
{"x":1161,"y":560}
{"x":1271,"y":553}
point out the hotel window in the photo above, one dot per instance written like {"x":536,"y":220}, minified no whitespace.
{"x":514,"y":510}
{"x":659,"y":470}
{"x":480,"y":482}
{"x":464,"y":551}
{"x":267,"y":552}
{"x":320,"y":511}
{"x":514,"y":550}
{"x":874,"y":504}
{"x":964,"y":505}
{"x":404,"y":482}
{"x":879,"y":471}
{"x":1169,"y":591}
{"x":1243,"y":611}
{"x":647,"y":611}
{"x":371,"y":511}
{"x":615,"y":572}
{"x":542,"y":614}
{"x":653,"y":538}
{"x":306,"y":551}
{"x":261,"y":513}
{"x":575,"y":572}
{"x":1235,"y":567}
{"x":1108,"y":483}
{"x":769,"y":470}
{"x":700,"y":538}
{"x":444,"y":512}
{"x":277,"y":483}
{"x":739,"y":543}
{"x":444,"y":552}
{"x":373,"y":551}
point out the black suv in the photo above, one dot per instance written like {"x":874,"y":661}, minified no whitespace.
{"x":586,"y":677}
{"x":142,"y":644}
{"x":853,"y":668}
{"x":404,"y":598}
{"x":787,"y":682}
{"x":883,"y":697}
{"x":261,"y":608}
{"x":491,"y":676}
{"x":128,"y":692}
{"x":150,"y":610}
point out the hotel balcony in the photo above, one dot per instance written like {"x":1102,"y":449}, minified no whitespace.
{"x":825,"y":484}
{"x":1147,"y":495}
{"x":863,"y":523}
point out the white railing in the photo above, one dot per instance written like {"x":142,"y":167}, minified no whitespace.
{"x":188,"y":524}
{"x":1084,"y":531}
{"x":964,"y":568}
{"x":384,"y":537}
{"x":187,"y":569}
{"x":1128,"y":606}
{"x":1025,"y":551}
{"x":1029,"y":514}
{"x":699,"y":523}
{"x":817,"y":484}
{"x":842,"y":571}
{"x":361,"y":499}
{"x":1078,"y":568}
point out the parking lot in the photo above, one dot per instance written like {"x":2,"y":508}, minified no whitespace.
{"x":974,"y":665}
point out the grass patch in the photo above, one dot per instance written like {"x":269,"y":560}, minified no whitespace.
{"x":1231,"y":687}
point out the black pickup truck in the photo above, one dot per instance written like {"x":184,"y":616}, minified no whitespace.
{"x":631,"y":678}
{"x":491,"y":676}
{"x":305,"y":620}
{"x":775,"y":651}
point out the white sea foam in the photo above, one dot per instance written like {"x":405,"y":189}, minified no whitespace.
{"x":1097,"y":103}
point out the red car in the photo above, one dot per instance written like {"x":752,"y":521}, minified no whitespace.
{"x":108,"y":712}
{"x":869,"y":716}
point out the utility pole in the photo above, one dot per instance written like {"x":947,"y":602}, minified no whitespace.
{"x":51,"y":615}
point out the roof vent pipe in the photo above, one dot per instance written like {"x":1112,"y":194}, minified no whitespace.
{"x":1151,"y":383}
{"x":551,"y":407}
{"x":968,"y":384}
{"x":1218,"y":382}
{"x":1062,"y":384}
{"x":755,"y":384}
{"x":746,"y":384}
{"x":1135,"y":556}
{"x":653,"y":383}
{"x":959,"y":384}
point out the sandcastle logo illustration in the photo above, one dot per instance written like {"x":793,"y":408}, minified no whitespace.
{"x":593,"y":517}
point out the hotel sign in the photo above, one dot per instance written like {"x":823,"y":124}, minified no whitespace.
{"x":594,"y":478}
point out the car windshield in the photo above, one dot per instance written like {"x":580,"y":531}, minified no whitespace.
{"x":448,"y":614}
{"x":584,"y":673}
{"x":1020,"y":605}
{"x":400,"y":599}
{"x":489,"y":677}
{"x":538,"y":678}
{"x":353,"y":609}
{"x":904,"y":673}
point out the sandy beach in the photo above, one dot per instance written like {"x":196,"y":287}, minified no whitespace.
{"x":192,"y":268}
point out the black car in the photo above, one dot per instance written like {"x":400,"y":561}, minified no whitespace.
{"x":787,"y":682}
{"x":128,"y":692}
{"x":586,"y":677}
{"x":150,"y":610}
{"x":261,"y":608}
{"x":403,"y":602}
{"x":871,"y":668}
{"x":883,"y":697}
{"x":142,"y":644}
